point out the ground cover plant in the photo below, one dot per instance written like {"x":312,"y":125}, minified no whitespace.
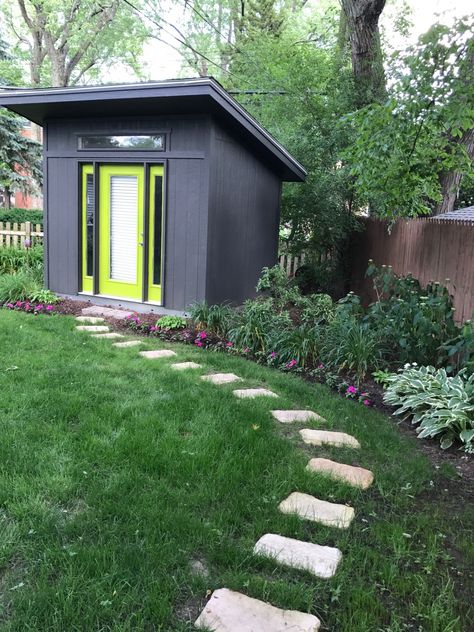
{"x":129,"y":491}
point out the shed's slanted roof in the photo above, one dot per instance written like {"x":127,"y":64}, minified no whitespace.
{"x":462,"y":214}
{"x":177,"y":96}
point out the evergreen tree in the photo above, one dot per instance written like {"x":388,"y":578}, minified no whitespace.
{"x":20,"y":157}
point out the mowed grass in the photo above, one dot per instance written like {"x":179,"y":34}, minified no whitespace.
{"x":118,"y":475}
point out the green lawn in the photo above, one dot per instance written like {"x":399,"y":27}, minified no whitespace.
{"x":117,"y":474}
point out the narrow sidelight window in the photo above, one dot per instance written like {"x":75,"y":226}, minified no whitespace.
{"x":157,"y":229}
{"x":90,"y":203}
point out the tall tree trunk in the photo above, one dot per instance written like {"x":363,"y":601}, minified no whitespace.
{"x":451,"y":180}
{"x":367,"y":63}
{"x":8,"y":195}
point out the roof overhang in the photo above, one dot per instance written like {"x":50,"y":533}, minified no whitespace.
{"x":186,"y":96}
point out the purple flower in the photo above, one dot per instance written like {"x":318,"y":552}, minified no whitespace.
{"x":49,"y":308}
{"x":153,"y":328}
{"x":320,"y":365}
{"x":27,"y":243}
{"x":40,"y":306}
{"x":351,"y":390}
{"x":10,"y":305}
{"x":273,"y":355}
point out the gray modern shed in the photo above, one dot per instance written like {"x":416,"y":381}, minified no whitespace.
{"x":161,"y":193}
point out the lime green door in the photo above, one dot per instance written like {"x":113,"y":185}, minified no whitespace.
{"x":121,"y":232}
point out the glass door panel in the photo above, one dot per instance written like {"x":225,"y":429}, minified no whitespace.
{"x":155,"y":235}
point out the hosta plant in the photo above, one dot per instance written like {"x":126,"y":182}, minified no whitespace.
{"x":441,"y":405}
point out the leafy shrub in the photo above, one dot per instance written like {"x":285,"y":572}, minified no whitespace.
{"x":416,"y":322}
{"x":281,"y":289}
{"x":16,"y":259}
{"x":316,"y":309}
{"x":18,"y":287}
{"x":216,"y":318}
{"x":171,"y":322}
{"x":441,"y":404}
{"x":460,"y":350}
{"x":257,"y":324}
{"x":21,"y":215}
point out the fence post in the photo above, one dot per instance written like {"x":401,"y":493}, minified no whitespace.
{"x":27,"y":234}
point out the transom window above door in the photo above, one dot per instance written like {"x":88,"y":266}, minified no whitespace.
{"x":153,"y":142}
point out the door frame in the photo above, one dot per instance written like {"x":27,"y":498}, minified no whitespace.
{"x":147,"y":165}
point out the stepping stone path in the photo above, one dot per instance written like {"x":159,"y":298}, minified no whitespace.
{"x":355,"y":476}
{"x":311,"y":508}
{"x":253,"y":392}
{"x":128,"y":343}
{"x":98,"y":310}
{"x":90,"y":319}
{"x":229,"y":611}
{"x":324,"y":437}
{"x":157,"y":353}
{"x":290,"y":416}
{"x":221,"y":378}
{"x":92,"y":328}
{"x":111,"y":334}
{"x":321,"y":561}
{"x":183,"y":366}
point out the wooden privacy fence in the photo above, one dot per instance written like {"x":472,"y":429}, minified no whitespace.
{"x":13,"y":234}
{"x":430,"y":249}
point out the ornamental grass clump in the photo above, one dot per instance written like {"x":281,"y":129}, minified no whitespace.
{"x":441,"y":405}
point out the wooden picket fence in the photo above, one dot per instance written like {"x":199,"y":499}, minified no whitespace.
{"x":290,"y":263}
{"x":14,"y":235}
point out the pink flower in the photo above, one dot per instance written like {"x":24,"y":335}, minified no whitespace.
{"x":229,"y":344}
{"x":153,"y":328}
{"x":320,"y":365}
{"x":18,"y":304}
{"x":273,"y":355}
{"x":40,"y":306}
{"x":291,"y":364}
{"x":246,"y":350}
{"x":198,"y":343}
{"x":49,"y":308}
{"x":10,"y":305}
{"x":351,"y":390}
{"x":366,"y":402}
{"x":202,"y":335}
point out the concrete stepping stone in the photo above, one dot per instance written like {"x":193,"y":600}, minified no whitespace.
{"x":93,"y":320}
{"x":229,"y":611}
{"x":221,"y":378}
{"x":244,"y":393}
{"x":128,"y":343}
{"x":109,"y":312}
{"x":157,"y":353}
{"x":92,"y":328}
{"x":324,"y":437}
{"x":183,"y":366}
{"x":290,"y":416}
{"x":321,"y":561}
{"x":355,"y":476}
{"x":311,"y":508}
{"x":111,"y":334}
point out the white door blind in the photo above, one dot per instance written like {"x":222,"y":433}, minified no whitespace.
{"x":123,"y":228}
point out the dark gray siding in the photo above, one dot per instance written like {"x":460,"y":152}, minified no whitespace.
{"x":62,"y":225}
{"x":244,"y":213}
{"x":186,"y":202}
